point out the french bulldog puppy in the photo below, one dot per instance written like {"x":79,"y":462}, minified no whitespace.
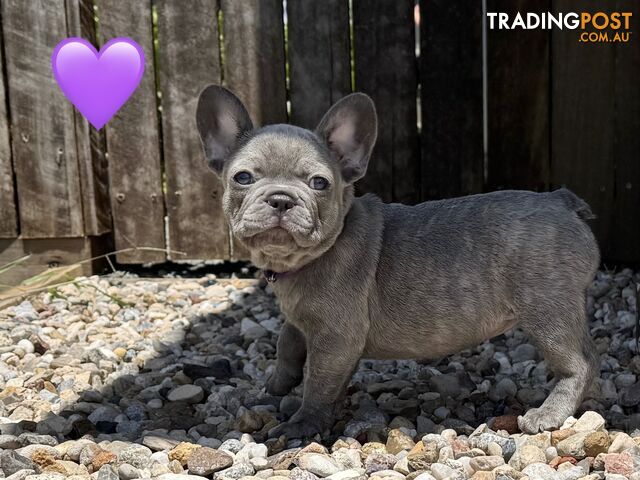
{"x":358,"y":278}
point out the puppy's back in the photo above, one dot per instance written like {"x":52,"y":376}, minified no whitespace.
{"x":483,"y":250}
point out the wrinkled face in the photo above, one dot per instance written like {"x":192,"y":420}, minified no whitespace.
{"x":287,"y":189}
{"x":284,"y":195}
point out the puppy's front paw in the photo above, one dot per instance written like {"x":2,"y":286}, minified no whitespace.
{"x":280,"y":383}
{"x":539,"y":420}
{"x":296,"y":429}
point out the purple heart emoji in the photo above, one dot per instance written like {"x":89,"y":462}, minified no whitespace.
{"x":98,"y":83}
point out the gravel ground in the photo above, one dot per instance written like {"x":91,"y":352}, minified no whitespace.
{"x":120,"y":377}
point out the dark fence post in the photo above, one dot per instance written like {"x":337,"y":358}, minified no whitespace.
{"x":625,"y":238}
{"x":385,"y":68}
{"x":254,"y":63}
{"x":319,"y":59}
{"x":582,"y":121}
{"x":518,"y":101}
{"x":451,"y":94}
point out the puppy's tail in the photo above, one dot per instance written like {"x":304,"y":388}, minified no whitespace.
{"x":575,"y":203}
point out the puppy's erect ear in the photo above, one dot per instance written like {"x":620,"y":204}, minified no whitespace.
{"x":349,"y":129}
{"x":221,"y":120}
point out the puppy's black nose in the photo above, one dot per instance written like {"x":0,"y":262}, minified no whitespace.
{"x":280,"y":202}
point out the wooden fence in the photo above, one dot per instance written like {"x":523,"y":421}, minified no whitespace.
{"x":460,"y":112}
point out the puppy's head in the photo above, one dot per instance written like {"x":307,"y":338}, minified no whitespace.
{"x":286,"y":189}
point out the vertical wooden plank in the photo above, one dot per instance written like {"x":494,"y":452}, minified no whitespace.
{"x":582,"y":121}
{"x":518,"y":101}
{"x":90,"y":143}
{"x":319,"y":59}
{"x":254,"y":66}
{"x":385,"y":68}
{"x":8,"y":212}
{"x":451,"y":98}
{"x":189,"y":60}
{"x":254,"y":63}
{"x":625,"y":237}
{"x":135,"y":176}
{"x":43,"y":134}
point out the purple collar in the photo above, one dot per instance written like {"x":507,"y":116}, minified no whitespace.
{"x":273,"y":277}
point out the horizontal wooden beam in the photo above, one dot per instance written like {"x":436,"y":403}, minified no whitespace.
{"x":44,"y":253}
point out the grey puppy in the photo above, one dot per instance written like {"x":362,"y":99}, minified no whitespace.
{"x":358,"y":278}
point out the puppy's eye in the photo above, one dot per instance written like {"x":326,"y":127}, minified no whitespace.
{"x":319,"y":183}
{"x":243,"y":178}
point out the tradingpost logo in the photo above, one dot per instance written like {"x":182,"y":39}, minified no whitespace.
{"x":593,"y":27}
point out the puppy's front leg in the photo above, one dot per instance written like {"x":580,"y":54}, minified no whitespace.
{"x":292,"y":352}
{"x":332,"y":357}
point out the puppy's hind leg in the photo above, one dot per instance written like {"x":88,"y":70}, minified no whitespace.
{"x":562,"y":336}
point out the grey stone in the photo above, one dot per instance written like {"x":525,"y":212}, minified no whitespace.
{"x":446,"y":385}
{"x":630,"y":396}
{"x":29,"y":438}
{"x":505,"y":388}
{"x":232,"y":445}
{"x":319,"y":464}
{"x":21,"y":474}
{"x":159,"y":443}
{"x":128,"y":472}
{"x":589,"y":422}
{"x":348,"y":458}
{"x":486,"y":463}
{"x":104,"y":413}
{"x":235,"y":471}
{"x":9,"y":442}
{"x":523,"y":352}
{"x":573,"y":445}
{"x":441,"y":471}
{"x":12,"y":462}
{"x":180,"y":476}
{"x":379,"y":461}
{"x":540,"y":471}
{"x":299,"y":474}
{"x":186,"y":393}
{"x":136,"y":455}
{"x":205,"y":461}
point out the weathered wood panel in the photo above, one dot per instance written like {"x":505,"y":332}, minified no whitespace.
{"x":254,"y":66}
{"x":135,"y":176}
{"x":8,"y":212}
{"x":90,"y":143}
{"x":189,"y":60}
{"x":451,"y":98}
{"x":319,"y":59}
{"x":625,"y":239}
{"x":43,"y":134}
{"x":385,"y":68}
{"x":582,"y":126}
{"x":518,"y":101}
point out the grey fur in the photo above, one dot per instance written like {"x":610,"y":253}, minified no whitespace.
{"x":379,"y":280}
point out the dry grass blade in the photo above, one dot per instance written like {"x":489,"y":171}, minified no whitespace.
{"x":10,"y":265}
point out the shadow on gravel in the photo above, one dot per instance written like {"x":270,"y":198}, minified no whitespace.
{"x":165,"y":361}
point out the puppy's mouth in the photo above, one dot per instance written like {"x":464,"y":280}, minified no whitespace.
{"x":276,"y":237}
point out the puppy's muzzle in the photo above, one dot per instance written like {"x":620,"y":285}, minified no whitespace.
{"x":281,"y":202}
